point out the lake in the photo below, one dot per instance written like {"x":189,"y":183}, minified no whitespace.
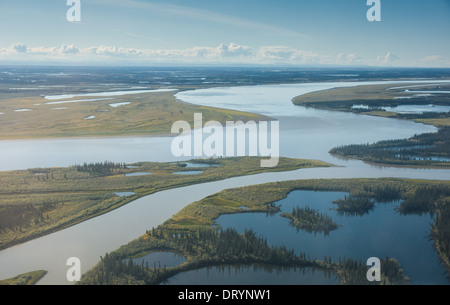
{"x":380,"y":233}
{"x":304,"y":133}
{"x":160,"y":259}
{"x":252,"y":275}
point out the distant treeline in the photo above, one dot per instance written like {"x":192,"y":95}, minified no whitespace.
{"x":208,"y":247}
{"x":100,"y":168}
{"x":424,"y":115}
{"x":424,"y":149}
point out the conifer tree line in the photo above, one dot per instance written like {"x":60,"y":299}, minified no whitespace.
{"x":100,"y":168}
{"x":208,"y":247}
{"x":311,"y":220}
{"x":424,"y":199}
{"x":223,"y":248}
{"x":422,"y":149}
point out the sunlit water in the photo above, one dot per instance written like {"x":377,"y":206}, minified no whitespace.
{"x":304,"y":133}
{"x":381,"y":232}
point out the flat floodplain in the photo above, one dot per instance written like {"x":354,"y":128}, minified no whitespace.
{"x":133,"y":114}
{"x":306,"y":132}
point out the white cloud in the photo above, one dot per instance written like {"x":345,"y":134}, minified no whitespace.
{"x":224,"y":53}
{"x":436,"y":61}
{"x":274,"y":54}
{"x":349,"y":59}
{"x":69,"y":49}
{"x":19,"y":47}
{"x":387,"y":59}
{"x":233,"y":49}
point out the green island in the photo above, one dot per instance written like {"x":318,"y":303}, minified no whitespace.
{"x":354,"y":205}
{"x":431,"y":150}
{"x":40,"y":201}
{"x":193,"y":233}
{"x":29,"y":278}
{"x":311,"y":220}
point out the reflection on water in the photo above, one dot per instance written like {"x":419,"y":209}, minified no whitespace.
{"x":380,"y":233}
{"x":418,"y":158}
{"x":137,"y":174}
{"x":405,"y":109}
{"x":188,"y":173}
{"x":253,"y":275}
{"x":160,"y":259}
{"x":417,"y":109}
{"x":304,"y":133}
{"x":190,"y":164}
{"x":125,"y":194}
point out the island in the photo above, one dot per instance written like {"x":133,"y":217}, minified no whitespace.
{"x":429,"y":150}
{"x":194,"y":234}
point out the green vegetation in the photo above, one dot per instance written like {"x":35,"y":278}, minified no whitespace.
{"x":203,"y":247}
{"x":440,"y":232}
{"x":209,"y":247}
{"x":375,"y":97}
{"x":147,"y":114}
{"x":426,"y":150}
{"x":425,"y":199}
{"x":311,"y":220}
{"x":29,"y":278}
{"x":100,"y":168}
{"x":39,"y":201}
{"x":194,"y":234}
{"x":354,"y":205}
{"x":353,"y":272}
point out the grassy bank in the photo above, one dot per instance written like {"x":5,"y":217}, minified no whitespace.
{"x":39,"y":201}
{"x":29,"y":278}
{"x":194,"y":234}
{"x":426,"y":151}
{"x":375,"y":97}
{"x":146,"y":114}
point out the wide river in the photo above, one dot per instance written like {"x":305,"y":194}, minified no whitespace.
{"x":304,"y":133}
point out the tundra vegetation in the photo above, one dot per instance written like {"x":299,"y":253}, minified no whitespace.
{"x":140,"y":114}
{"x":40,"y":201}
{"x":194,"y":234}
{"x":431,"y":150}
{"x":29,"y":278}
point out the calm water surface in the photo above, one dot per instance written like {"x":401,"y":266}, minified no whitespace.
{"x":252,"y":275}
{"x":380,"y":233}
{"x":304,"y":133}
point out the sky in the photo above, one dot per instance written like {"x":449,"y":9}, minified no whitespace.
{"x":411,"y":33}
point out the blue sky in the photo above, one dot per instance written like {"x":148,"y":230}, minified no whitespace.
{"x":291,"y":32}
